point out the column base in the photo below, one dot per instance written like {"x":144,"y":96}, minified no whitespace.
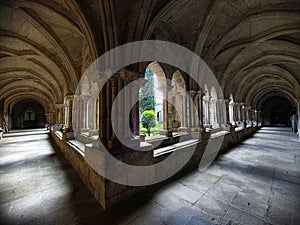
{"x":167,"y":133}
{"x":68,"y":134}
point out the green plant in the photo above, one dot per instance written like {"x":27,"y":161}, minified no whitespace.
{"x":147,"y":93}
{"x":148,"y":120}
{"x":143,"y":131}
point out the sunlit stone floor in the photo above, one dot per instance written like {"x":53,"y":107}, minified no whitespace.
{"x":257,"y":182}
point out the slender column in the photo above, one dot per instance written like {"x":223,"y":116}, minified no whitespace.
{"x":121,"y":103}
{"x":126,"y":109}
{"x":52,"y":117}
{"x":168,"y":106}
{"x":108,"y":110}
{"x":60,"y":113}
{"x":221,"y":117}
{"x":97,"y":114}
{"x":298,"y":106}
{"x":65,"y":122}
{"x":241,"y":112}
{"x":213,"y":112}
{"x":208,"y":106}
{"x":247,"y":110}
{"x":77,"y":112}
{"x":192,"y":113}
{"x":1,"y":113}
{"x":236,"y":112}
{"x":200,"y":95}
{"x":81,"y":110}
{"x":230,"y":106}
{"x":134,"y":120}
{"x":102,"y":114}
{"x":113,"y":88}
{"x":184,"y":108}
{"x":244,"y":115}
{"x":258,"y":117}
{"x":86,"y":112}
{"x":70,"y":111}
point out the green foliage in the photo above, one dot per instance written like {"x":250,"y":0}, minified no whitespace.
{"x":143,"y":131}
{"x":155,"y":130}
{"x":148,"y":120}
{"x":147,"y":94}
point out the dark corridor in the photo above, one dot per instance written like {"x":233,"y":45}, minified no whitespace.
{"x":28,"y":114}
{"x":277,"y":111}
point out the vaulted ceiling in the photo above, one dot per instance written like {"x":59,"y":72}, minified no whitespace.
{"x":253,"y":46}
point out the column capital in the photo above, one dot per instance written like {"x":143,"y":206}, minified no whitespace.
{"x":129,"y":76}
{"x":192,"y":93}
{"x":69,"y":96}
{"x":200,"y":93}
{"x":206,"y":98}
{"x":59,"y":105}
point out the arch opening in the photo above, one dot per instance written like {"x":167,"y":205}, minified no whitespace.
{"x":277,"y":111}
{"x":28,"y":114}
{"x":152,"y":96}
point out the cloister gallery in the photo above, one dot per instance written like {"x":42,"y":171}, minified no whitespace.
{"x":224,"y":72}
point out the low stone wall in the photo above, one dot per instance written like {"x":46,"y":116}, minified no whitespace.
{"x":105,"y":191}
{"x":109,"y":193}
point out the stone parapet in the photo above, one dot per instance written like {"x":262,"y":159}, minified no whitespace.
{"x":109,"y":193}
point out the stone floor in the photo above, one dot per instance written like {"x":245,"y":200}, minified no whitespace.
{"x":257,"y":182}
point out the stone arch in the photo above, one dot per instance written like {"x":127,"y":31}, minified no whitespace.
{"x":160,"y":90}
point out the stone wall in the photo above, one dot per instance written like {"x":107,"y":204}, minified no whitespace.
{"x":109,"y":193}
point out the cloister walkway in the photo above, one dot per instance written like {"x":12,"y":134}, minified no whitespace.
{"x":256,"y":182}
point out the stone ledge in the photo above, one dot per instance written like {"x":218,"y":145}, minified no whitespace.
{"x":109,"y":193}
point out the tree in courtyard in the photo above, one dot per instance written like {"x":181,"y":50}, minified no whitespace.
{"x":148,"y":120}
{"x":147,"y":93}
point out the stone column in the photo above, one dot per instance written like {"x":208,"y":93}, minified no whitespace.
{"x":81,"y":113}
{"x":60,"y":113}
{"x":207,"y":113}
{"x":102,"y":114}
{"x":230,"y":106}
{"x":70,"y":99}
{"x":113,"y":87}
{"x":244,"y":113}
{"x":134,"y":111}
{"x":107,"y":97}
{"x":248,"y":114}
{"x":222,"y":115}
{"x":68,"y":131}
{"x":168,"y":105}
{"x":2,"y":113}
{"x":241,"y":113}
{"x":236,"y":112}
{"x":199,"y":99}
{"x":184,"y":109}
{"x":213,"y":113}
{"x":258,"y":117}
{"x":298,"y":106}
{"x":52,"y":117}
{"x":192,"y":114}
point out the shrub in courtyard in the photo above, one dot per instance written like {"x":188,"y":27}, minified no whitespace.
{"x":148,"y":120}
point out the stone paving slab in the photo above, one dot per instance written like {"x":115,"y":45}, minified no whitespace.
{"x":256,"y":182}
